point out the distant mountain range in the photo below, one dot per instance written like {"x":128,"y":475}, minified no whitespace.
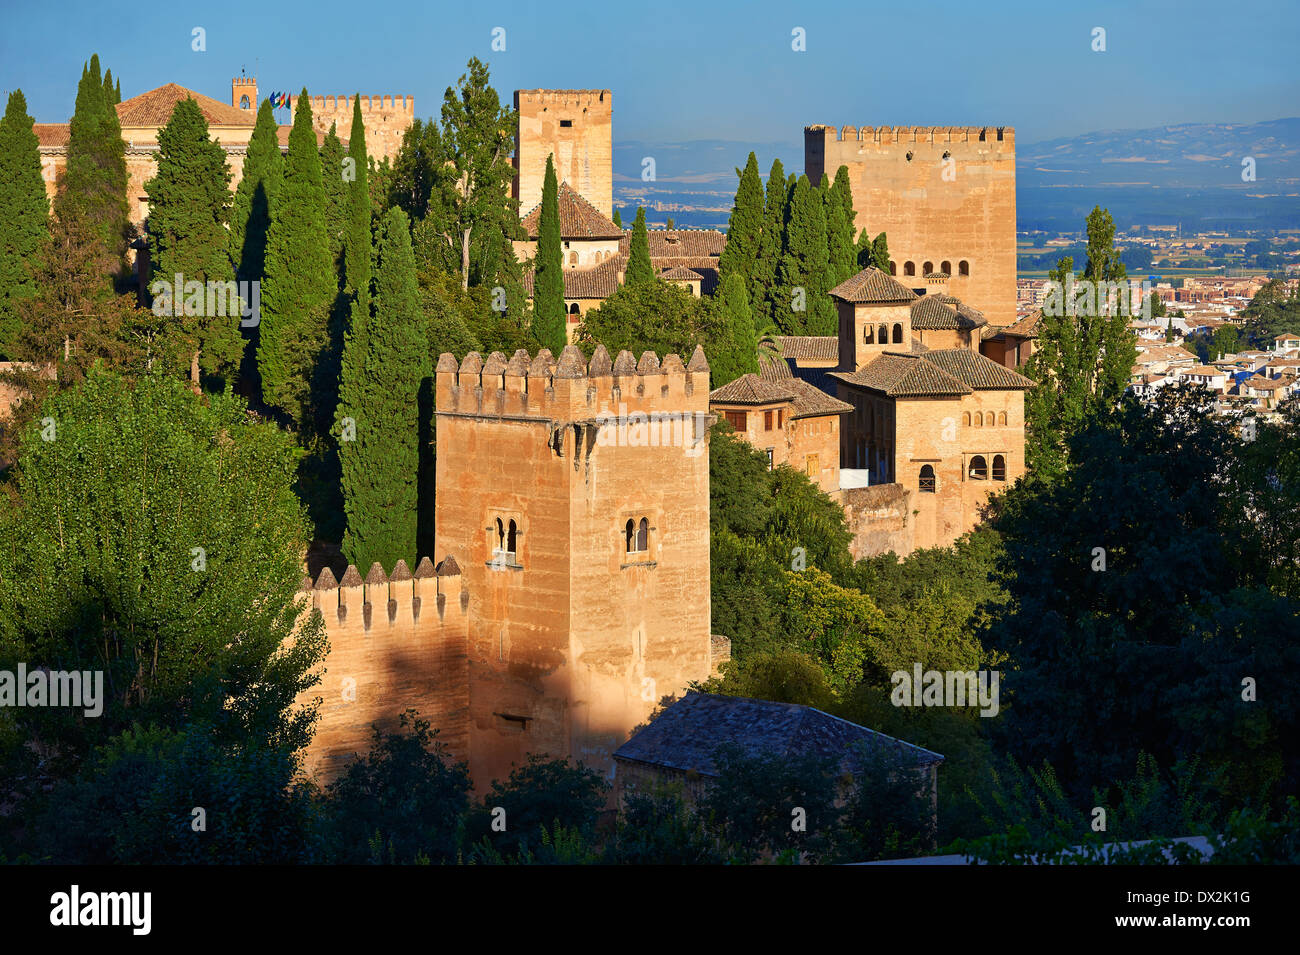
{"x":1191,"y":173}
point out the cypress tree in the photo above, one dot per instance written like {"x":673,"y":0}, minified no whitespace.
{"x":94,"y":182}
{"x":844,"y":189}
{"x":110,"y":95}
{"x":736,"y":353}
{"x":383,"y":370}
{"x":618,"y":219}
{"x":805,"y":265}
{"x":862,"y":251}
{"x":639,"y":269}
{"x":300,"y":285}
{"x":880,"y":253}
{"x":250,"y":218}
{"x":839,"y":236}
{"x":331,"y":165}
{"x":357,"y":243}
{"x":548,"y":281}
{"x":769,"y":246}
{"x":117,"y":92}
{"x":25,"y":224}
{"x":745,"y":228}
{"x":189,"y":207}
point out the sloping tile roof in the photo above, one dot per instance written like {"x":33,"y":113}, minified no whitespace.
{"x":679,"y":243}
{"x":928,"y":313}
{"x":154,"y":108}
{"x":1026,"y":327}
{"x":686,"y":736}
{"x":814,"y":347}
{"x":751,"y":389}
{"x":51,"y":134}
{"x":904,"y":376}
{"x":579,"y":219}
{"x":872,"y":286}
{"x":811,"y":402}
{"x":977,"y":371}
{"x":681,"y":274}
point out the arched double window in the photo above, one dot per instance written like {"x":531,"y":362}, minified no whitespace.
{"x":507,"y":541}
{"x":898,"y":334}
{"x":636,"y":536}
{"x":999,"y":468}
{"x":884,"y":335}
{"x":979,"y":468}
{"x":926,"y":481}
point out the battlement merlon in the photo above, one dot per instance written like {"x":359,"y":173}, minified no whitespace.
{"x":342,"y":104}
{"x":382,"y":600}
{"x":583,"y":98}
{"x":571,"y":390}
{"x":999,"y":137}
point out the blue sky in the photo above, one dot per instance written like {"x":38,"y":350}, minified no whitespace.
{"x":716,"y":70}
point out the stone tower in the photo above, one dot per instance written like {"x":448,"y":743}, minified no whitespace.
{"x":575,"y":500}
{"x":386,"y":119}
{"x":576,"y":126}
{"x":243,"y":93}
{"x":944,"y":195}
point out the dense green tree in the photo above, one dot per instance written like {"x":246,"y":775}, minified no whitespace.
{"x":335,"y":189}
{"x":250,"y":217}
{"x":157,"y":539}
{"x":657,"y":316}
{"x":549,"y":313}
{"x":639,"y":270}
{"x":839,"y":228}
{"x":770,"y":248}
{"x":358,"y":246}
{"x":803,"y":306}
{"x":478,"y":214}
{"x":189,"y":208}
{"x":542,"y":793}
{"x":658,"y":828}
{"x":415,"y":175}
{"x":132,"y":804}
{"x":384,"y":363}
{"x":25,"y":226}
{"x":1140,"y":598}
{"x":1085,"y":350}
{"x":734,"y":350}
{"x":745,"y":228}
{"x":94,"y":182}
{"x":403,"y":802}
{"x":880,"y":253}
{"x":300,"y":286}
{"x":618,"y":219}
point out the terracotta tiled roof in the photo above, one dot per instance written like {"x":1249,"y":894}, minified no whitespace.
{"x":154,"y":108}
{"x":976,"y":371}
{"x":814,"y":347}
{"x":937,"y":275}
{"x":811,"y":402}
{"x":680,"y":243}
{"x":51,"y":134}
{"x":601,"y":281}
{"x":904,"y":376}
{"x":1026,"y":327}
{"x":872,"y":286}
{"x":579,"y":219}
{"x":681,"y":274}
{"x":752,"y":389}
{"x":928,"y":313}
{"x":686,"y":736}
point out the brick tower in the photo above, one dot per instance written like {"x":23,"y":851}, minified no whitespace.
{"x":576,"y":126}
{"x":944,"y":195}
{"x":575,"y":500}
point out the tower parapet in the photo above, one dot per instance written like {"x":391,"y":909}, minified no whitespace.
{"x":386,"y":118}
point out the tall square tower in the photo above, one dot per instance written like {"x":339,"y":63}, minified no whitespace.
{"x":576,"y":126}
{"x":575,"y":500}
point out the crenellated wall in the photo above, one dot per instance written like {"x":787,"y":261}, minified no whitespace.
{"x":396,"y":642}
{"x":942,"y":194}
{"x":386,"y":117}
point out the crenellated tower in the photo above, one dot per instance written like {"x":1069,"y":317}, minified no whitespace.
{"x":576,"y":127}
{"x":944,"y":195}
{"x":575,"y":497}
